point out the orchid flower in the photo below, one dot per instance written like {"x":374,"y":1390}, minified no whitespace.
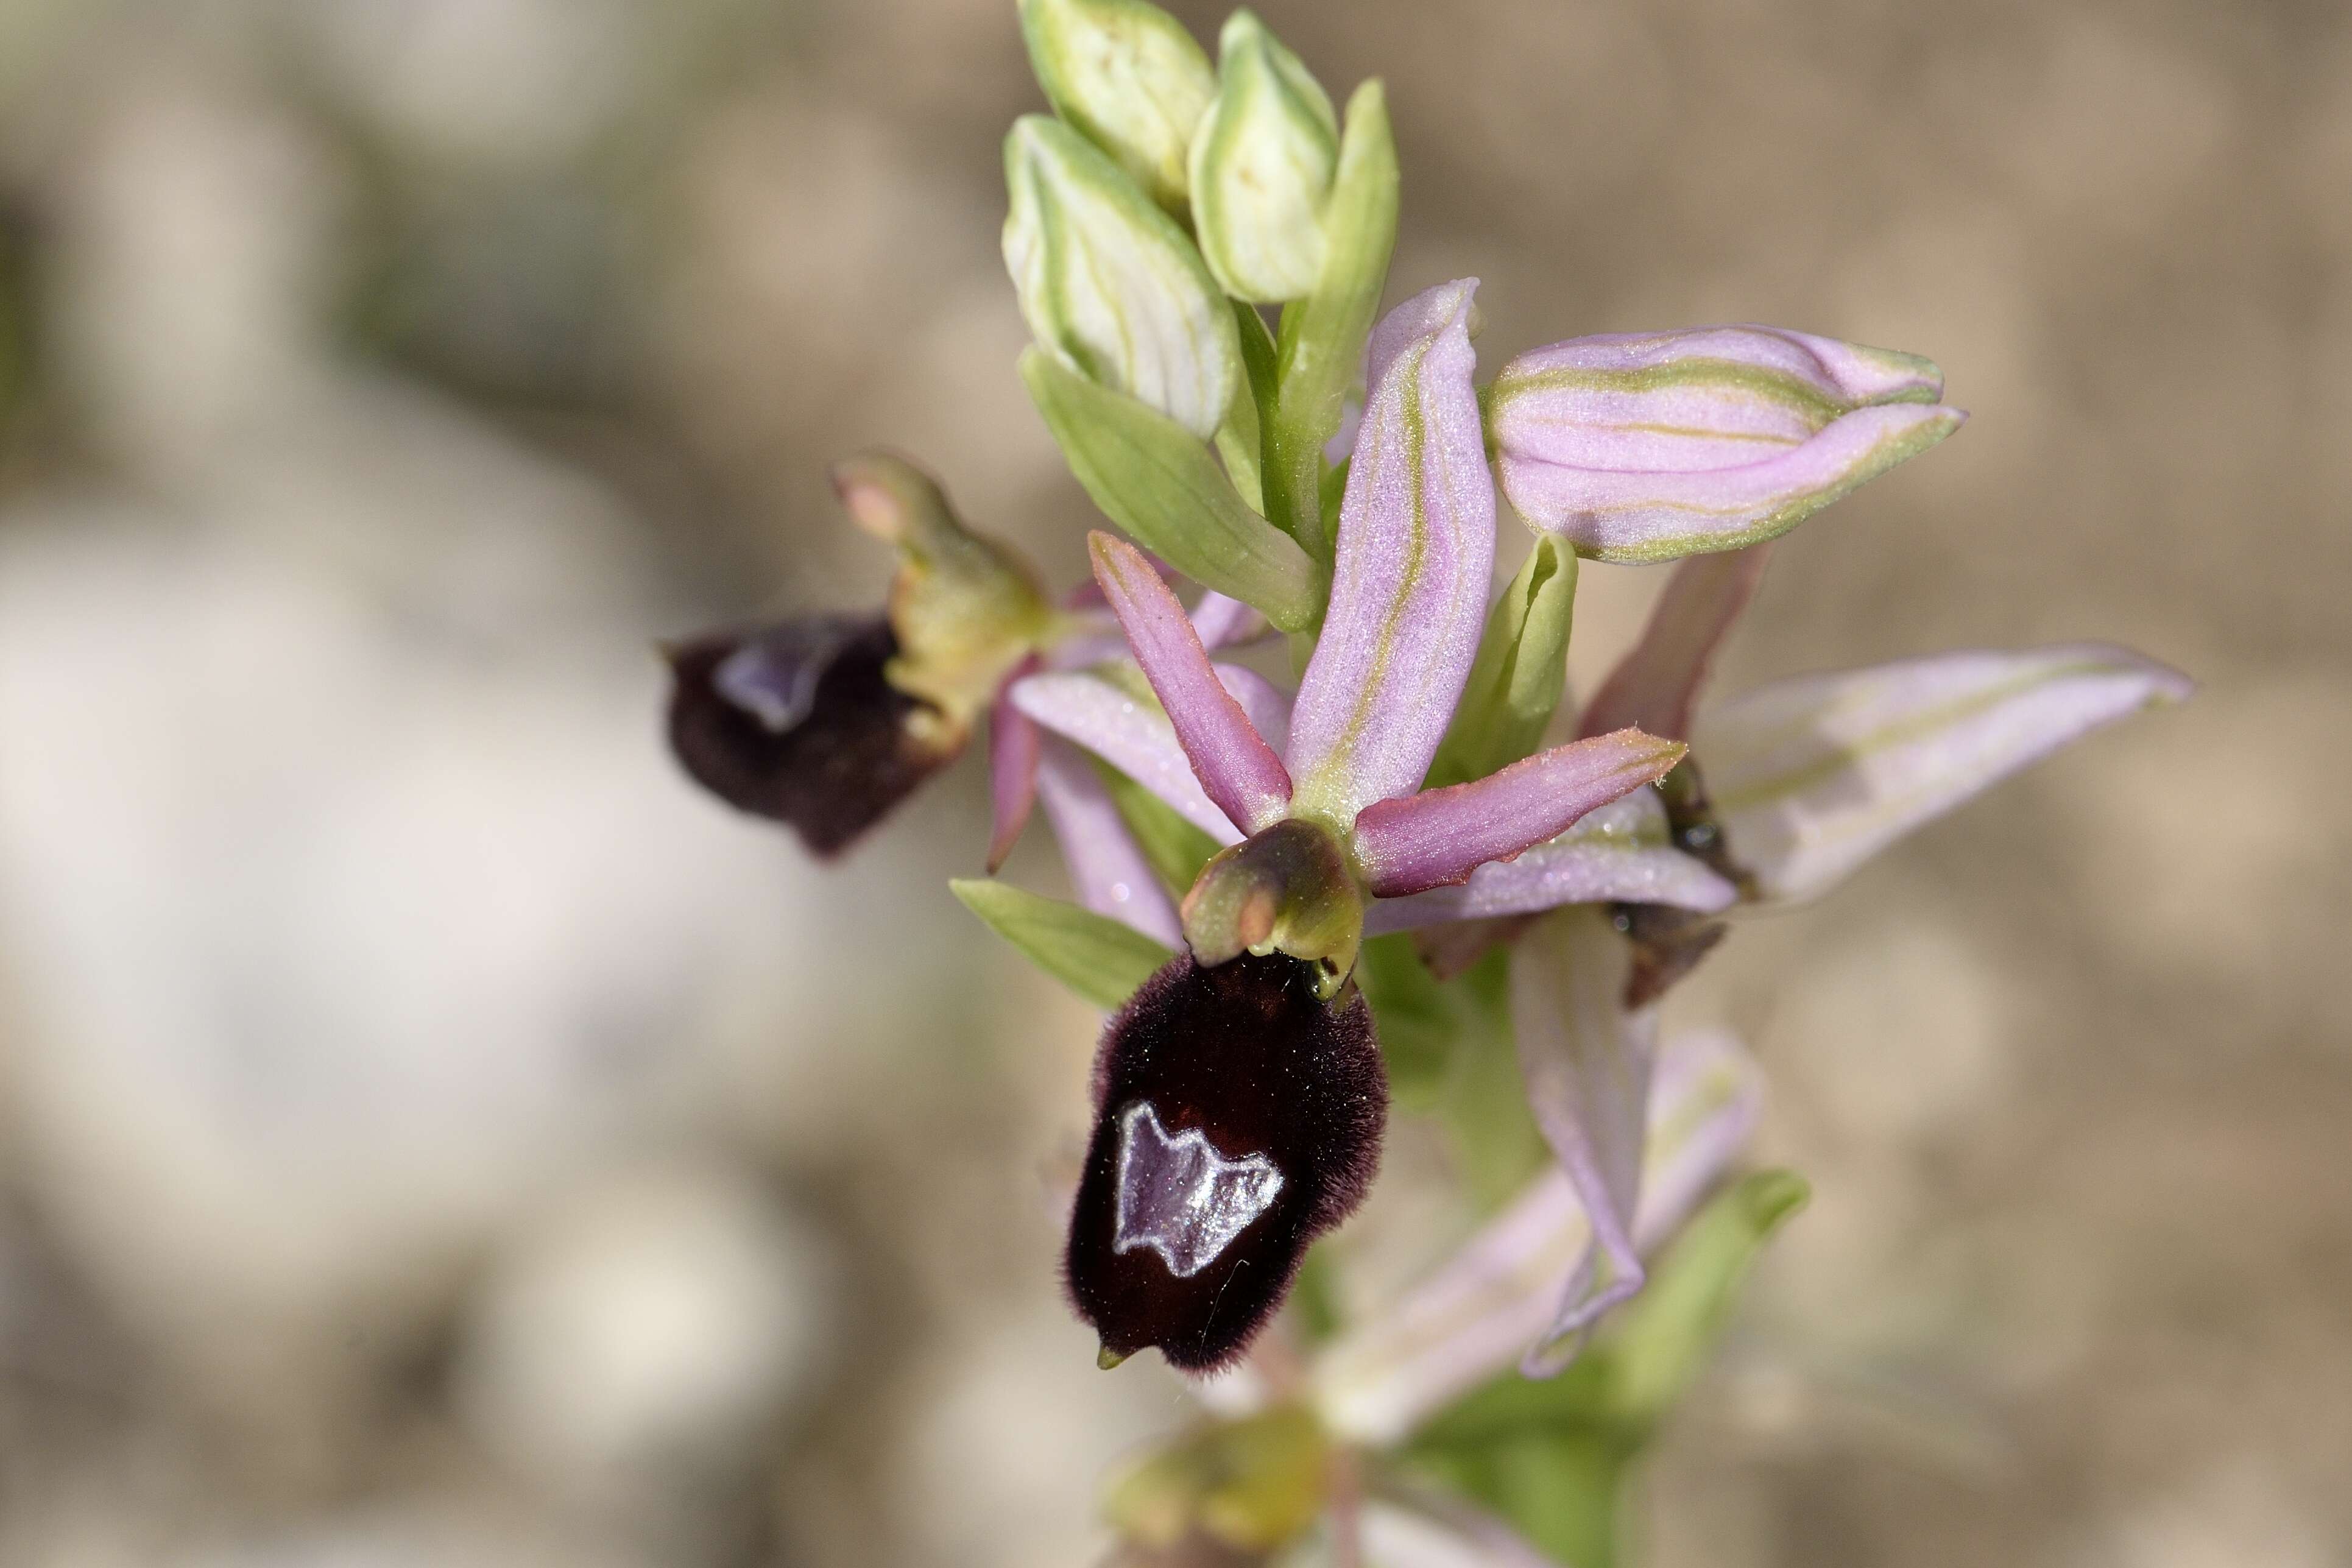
{"x":1281,"y":1119}
{"x":1230,"y":754}
{"x":1347,"y":1433}
{"x":1805,"y":779}
{"x":826,"y":723}
{"x":1233,"y":846}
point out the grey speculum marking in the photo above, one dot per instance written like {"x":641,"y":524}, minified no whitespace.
{"x":1181,"y":1198}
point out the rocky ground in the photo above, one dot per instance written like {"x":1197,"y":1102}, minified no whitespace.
{"x":431,"y":1133}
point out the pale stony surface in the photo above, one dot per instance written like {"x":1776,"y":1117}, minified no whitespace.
{"x":430,"y":1132}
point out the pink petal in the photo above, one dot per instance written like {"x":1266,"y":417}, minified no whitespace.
{"x":1644,"y":446}
{"x":1107,"y":870}
{"x":1479,"y":1309}
{"x":1660,"y":514}
{"x":1618,"y":854}
{"x":1587,"y":1062}
{"x":1436,"y":838}
{"x":1428,"y":1529}
{"x":1012,"y":742}
{"x":1236,"y":768}
{"x":1223,"y":621}
{"x":1812,"y":776}
{"x":1654,"y":686}
{"x":1130,"y":733}
{"x":1415,"y":545}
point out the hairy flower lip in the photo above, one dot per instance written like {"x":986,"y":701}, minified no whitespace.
{"x":1245,"y":1061}
{"x":796,"y":721}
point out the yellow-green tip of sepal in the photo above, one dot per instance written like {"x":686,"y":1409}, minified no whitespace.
{"x":965,"y":609}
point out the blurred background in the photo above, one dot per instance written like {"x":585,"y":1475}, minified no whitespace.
{"x":432,"y":1133}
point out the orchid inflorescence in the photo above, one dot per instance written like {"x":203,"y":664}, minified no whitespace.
{"x":1293,"y":901}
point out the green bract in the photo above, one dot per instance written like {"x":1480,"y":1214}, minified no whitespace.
{"x":1263,"y":163}
{"x":1094,"y":956}
{"x":1319,"y":352}
{"x":1109,"y":284}
{"x":1521,"y":672}
{"x":1151,"y":478}
{"x":1130,"y":77}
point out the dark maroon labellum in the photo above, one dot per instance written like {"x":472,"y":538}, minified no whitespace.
{"x":795,"y":722}
{"x":1237,"y":1118}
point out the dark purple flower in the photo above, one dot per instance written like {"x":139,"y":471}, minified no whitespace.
{"x":1238,"y":1115}
{"x":798,"y":721}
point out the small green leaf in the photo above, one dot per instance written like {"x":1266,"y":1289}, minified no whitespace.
{"x":1093,"y":954}
{"x":1149,"y":475}
{"x":1320,"y":348}
{"x":1520,"y":673}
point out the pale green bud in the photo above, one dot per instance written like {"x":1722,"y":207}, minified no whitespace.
{"x":1130,"y":77}
{"x":1109,"y":283}
{"x":1263,"y":162}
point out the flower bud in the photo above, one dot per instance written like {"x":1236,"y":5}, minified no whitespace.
{"x":1237,"y":1117}
{"x":1648,"y":446}
{"x":797,"y":721}
{"x":1109,"y":283}
{"x":1263,"y":163}
{"x":1128,"y":77}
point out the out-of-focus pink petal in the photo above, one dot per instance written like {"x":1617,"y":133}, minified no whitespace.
{"x":1655,"y":685}
{"x":1342,"y":444}
{"x":1812,"y":776}
{"x":1129,"y":732}
{"x":1436,"y":838}
{"x":1107,"y":870}
{"x":1236,"y":768}
{"x":1481,"y":1309}
{"x":1085,"y":649}
{"x":1415,"y":545}
{"x":1012,"y":742}
{"x":1644,"y":447}
{"x":1427,"y":1529}
{"x":1587,"y":1062}
{"x":1223,"y":621}
{"x":1618,"y":854}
